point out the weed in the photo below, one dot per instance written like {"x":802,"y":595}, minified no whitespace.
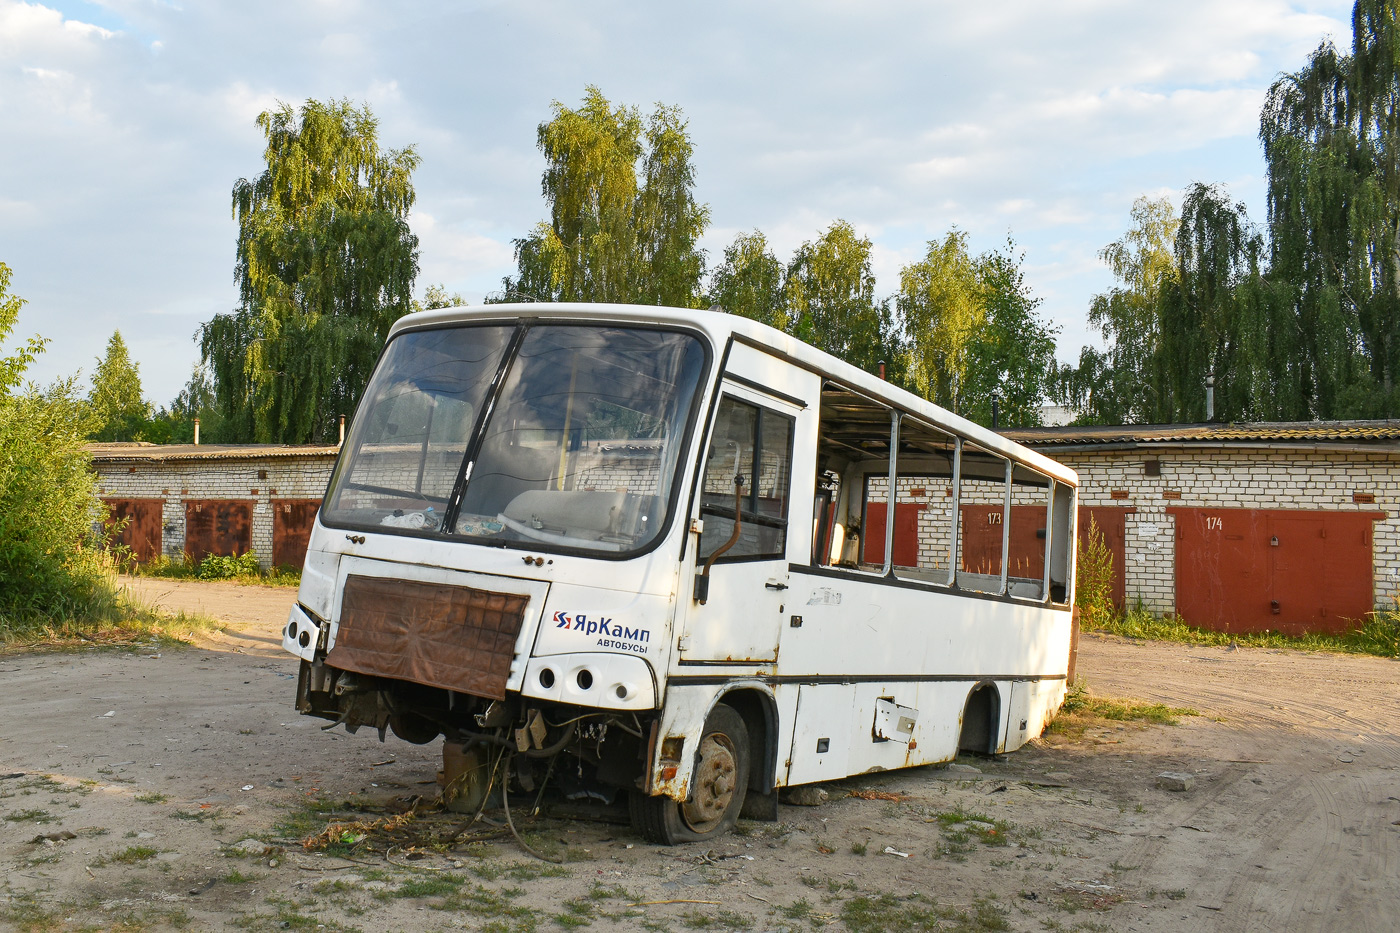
{"x":860,"y":848}
{"x":237,"y":877}
{"x":129,"y":856}
{"x":151,"y":798}
{"x":797,"y":910}
{"x":1082,"y":710}
{"x":889,"y":913}
{"x":1378,"y":634}
{"x":434,"y":886}
{"x":29,"y":816}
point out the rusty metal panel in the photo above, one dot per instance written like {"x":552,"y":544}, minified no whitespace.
{"x":292,"y":521}
{"x":1321,"y":567}
{"x":1112,"y":520}
{"x":222,"y":527}
{"x":454,"y":637}
{"x":1251,"y":570}
{"x":136,"y":525}
{"x":906,"y":534}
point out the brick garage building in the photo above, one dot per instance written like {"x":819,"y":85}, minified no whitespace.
{"x":193,"y":500}
{"x":1240,"y":527}
{"x":1245,"y":527}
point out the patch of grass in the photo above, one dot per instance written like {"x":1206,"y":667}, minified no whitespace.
{"x":151,"y":798}
{"x":889,"y":914}
{"x":496,"y":906}
{"x":130,"y":856}
{"x":1378,"y":634}
{"x":1083,"y":710}
{"x":721,"y":919}
{"x":433,"y":886}
{"x":960,"y":825}
{"x":859,"y":848}
{"x":237,"y":877}
{"x":29,"y":816}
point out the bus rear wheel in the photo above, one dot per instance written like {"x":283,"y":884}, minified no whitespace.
{"x":717,"y":787}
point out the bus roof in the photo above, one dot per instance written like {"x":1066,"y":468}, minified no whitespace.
{"x":720,"y":327}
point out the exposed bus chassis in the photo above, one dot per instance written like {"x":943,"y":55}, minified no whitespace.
{"x":531,"y":740}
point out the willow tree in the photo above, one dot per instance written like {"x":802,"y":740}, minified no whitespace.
{"x":624,"y":223}
{"x":1331,"y":136}
{"x":749,"y":281}
{"x":325,"y":264}
{"x":829,"y":299}
{"x":1220,"y":319}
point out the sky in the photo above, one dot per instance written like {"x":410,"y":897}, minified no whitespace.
{"x":124,"y":125}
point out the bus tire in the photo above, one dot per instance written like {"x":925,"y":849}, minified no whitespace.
{"x":717,"y":787}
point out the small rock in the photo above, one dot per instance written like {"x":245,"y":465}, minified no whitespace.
{"x":145,"y":835}
{"x":957,"y":768}
{"x":1344,"y":758}
{"x":249,"y":846}
{"x":1176,"y":780}
{"x":981,"y":825}
{"x":806,"y":796}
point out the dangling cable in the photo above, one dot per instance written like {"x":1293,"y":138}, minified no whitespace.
{"x":505,"y":805}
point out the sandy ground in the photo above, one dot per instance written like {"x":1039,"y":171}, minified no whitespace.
{"x":184,"y":778}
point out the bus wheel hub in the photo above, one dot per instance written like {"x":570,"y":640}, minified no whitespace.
{"x":714,"y":783}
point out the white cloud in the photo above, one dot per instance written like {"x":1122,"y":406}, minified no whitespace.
{"x":904,"y":117}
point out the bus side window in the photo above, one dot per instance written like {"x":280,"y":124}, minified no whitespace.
{"x":982,"y":494}
{"x":754,"y":443}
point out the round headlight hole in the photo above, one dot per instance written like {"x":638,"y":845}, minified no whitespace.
{"x":546,"y":678}
{"x":585,"y":679}
{"x":621,"y":691}
{"x":305,"y":639}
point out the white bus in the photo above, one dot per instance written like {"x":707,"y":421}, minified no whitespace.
{"x":679,"y":555}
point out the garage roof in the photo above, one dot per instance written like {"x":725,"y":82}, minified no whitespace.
{"x":1376,"y":434}
{"x":142,"y":452}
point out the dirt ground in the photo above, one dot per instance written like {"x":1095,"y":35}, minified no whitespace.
{"x":163,"y":789}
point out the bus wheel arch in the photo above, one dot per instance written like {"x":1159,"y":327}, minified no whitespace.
{"x":760,"y":713}
{"x":980,"y":727}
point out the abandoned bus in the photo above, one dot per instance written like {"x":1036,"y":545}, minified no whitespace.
{"x":678,"y":555}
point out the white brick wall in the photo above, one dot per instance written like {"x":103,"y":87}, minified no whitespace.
{"x":178,"y":481}
{"x":1241,"y":478}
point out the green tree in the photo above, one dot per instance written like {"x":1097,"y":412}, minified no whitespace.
{"x":120,"y":411}
{"x":49,"y":569}
{"x":1127,"y":383}
{"x":1331,"y":138}
{"x":749,"y":281}
{"x":325,"y":264}
{"x":941,"y":305}
{"x":624,"y":224}
{"x":437,"y":296}
{"x":973,"y":333}
{"x":829,"y":294}
{"x":1012,"y":357}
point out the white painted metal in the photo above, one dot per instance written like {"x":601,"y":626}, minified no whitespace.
{"x":846,"y":659}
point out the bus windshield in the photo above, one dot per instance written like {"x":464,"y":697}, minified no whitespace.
{"x":579,"y":448}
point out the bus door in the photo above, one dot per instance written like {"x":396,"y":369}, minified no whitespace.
{"x":759,"y":443}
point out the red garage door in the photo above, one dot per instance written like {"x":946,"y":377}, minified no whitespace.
{"x":1251,"y":570}
{"x":292,"y":520}
{"x":906,"y":534}
{"x":136,"y":525}
{"x":222,"y":527}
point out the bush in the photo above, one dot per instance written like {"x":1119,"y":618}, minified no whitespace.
{"x":229,"y":568}
{"x":1093,"y":579}
{"x":51,"y":564}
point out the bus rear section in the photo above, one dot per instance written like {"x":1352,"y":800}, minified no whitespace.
{"x":630,"y":552}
